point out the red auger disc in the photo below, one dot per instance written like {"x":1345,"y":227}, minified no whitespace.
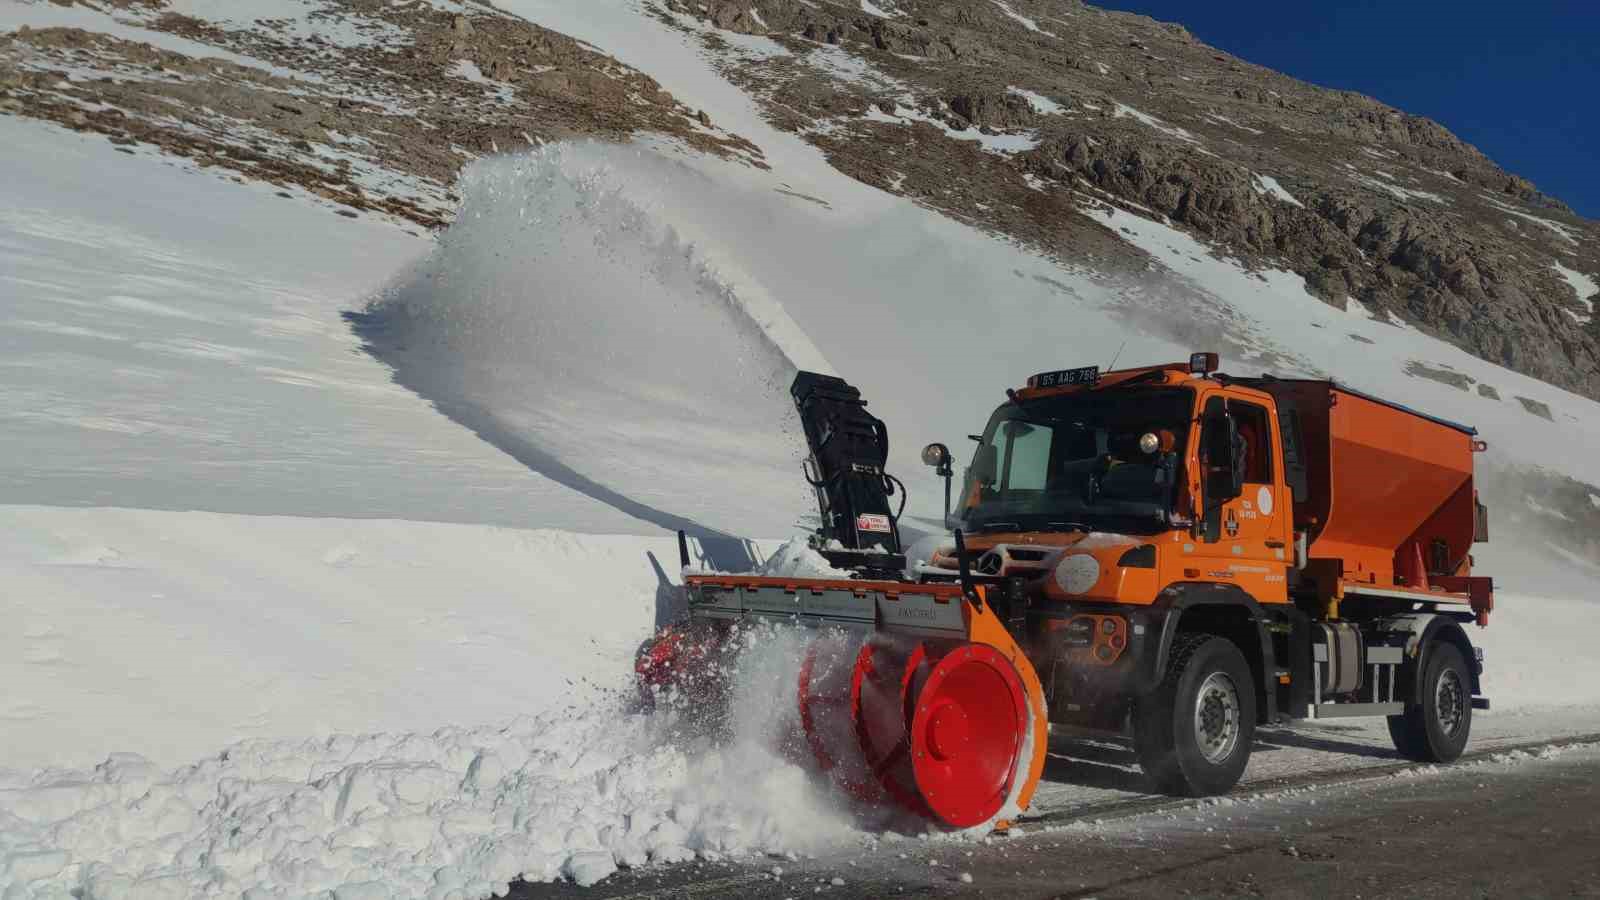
{"x":822,"y":694}
{"x":854,"y":717}
{"x":966,"y":734}
{"x":827,"y":692}
{"x":880,"y":692}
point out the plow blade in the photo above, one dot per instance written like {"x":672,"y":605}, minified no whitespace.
{"x":910,"y":695}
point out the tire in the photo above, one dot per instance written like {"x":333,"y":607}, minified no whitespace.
{"x":1193,"y":733}
{"x":1437,"y":729}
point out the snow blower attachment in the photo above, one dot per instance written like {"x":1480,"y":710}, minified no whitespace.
{"x":909,"y":695}
{"x":913,"y":695}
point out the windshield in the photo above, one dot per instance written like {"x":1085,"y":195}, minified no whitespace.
{"x":1102,"y":459}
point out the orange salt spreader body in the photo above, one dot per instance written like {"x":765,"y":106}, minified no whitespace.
{"x":1168,"y":553}
{"x":1389,"y":496}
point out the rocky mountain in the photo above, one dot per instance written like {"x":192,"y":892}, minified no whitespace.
{"x":1024,"y":117}
{"x":1078,"y":107}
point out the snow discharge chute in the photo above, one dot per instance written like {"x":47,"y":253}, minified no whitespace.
{"x":910,"y":695}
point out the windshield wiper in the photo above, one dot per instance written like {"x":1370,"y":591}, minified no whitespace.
{"x":1068,"y":526}
{"x":1000,"y":526}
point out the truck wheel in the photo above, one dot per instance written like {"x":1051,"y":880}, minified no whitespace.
{"x":1193,"y":733}
{"x":1437,"y":729}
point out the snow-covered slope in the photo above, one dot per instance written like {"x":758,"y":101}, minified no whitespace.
{"x":174,"y":340}
{"x":335,"y":479}
{"x":171,"y":634}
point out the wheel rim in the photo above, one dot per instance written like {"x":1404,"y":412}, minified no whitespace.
{"x":1216,"y":717}
{"x":1449,"y":701}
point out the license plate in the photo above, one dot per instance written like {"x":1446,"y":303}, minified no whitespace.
{"x":1084,"y":375}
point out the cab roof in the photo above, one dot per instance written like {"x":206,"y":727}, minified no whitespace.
{"x":1178,"y":373}
{"x":1165,"y":374}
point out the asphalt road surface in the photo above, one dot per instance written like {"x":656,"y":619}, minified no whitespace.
{"x":1506,"y":823}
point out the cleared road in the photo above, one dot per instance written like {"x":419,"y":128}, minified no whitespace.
{"x":1509,"y":823}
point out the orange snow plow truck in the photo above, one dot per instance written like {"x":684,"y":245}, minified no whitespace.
{"x":1169,"y":553}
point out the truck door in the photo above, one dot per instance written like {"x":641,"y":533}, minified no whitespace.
{"x":1242,"y":532}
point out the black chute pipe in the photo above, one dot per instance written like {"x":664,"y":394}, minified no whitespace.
{"x":966,"y":571}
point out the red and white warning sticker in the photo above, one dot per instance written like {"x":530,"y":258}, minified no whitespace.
{"x":872,"y":522}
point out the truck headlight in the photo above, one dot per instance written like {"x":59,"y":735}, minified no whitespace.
{"x":1078,"y":573}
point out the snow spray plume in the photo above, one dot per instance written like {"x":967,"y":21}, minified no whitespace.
{"x":751,"y":765}
{"x":563,"y":318}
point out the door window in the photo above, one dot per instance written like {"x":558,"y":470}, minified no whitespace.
{"x":1255,"y":450}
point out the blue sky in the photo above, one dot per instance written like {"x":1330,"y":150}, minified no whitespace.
{"x":1520,"y":81}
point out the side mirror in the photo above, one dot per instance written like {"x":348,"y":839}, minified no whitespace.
{"x":938,"y":456}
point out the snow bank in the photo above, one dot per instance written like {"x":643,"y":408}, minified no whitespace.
{"x":1531,"y":663}
{"x":458,"y":812}
{"x":1539,"y":645}
{"x":172,"y":634}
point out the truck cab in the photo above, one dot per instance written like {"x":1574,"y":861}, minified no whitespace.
{"x":1188,"y":468}
{"x":1186,"y":554}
